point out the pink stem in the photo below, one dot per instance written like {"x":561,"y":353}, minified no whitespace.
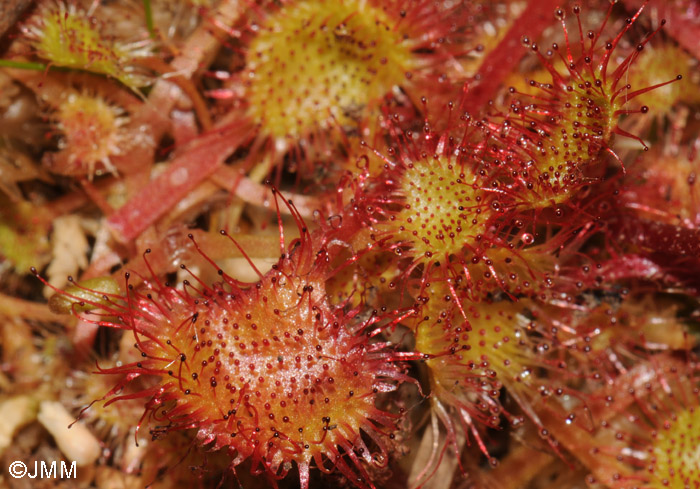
{"x":189,"y":169}
{"x":500,"y":62}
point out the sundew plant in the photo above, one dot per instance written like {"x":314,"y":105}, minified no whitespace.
{"x":375,"y":244}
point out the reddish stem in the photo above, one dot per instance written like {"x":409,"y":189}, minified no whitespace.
{"x":94,"y":194}
{"x":152,"y":120}
{"x":500,"y":62}
{"x":184,"y":173}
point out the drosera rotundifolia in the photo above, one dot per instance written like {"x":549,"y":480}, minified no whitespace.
{"x":387,"y":244}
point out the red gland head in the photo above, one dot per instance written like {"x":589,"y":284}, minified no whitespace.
{"x":564,"y":129}
{"x":476,"y":354}
{"x":93,"y":132}
{"x":654,"y":445}
{"x":65,"y":35}
{"x":445,"y":210}
{"x":607,"y":339}
{"x":268,"y":371}
{"x":316,"y":71}
{"x":662,"y":187}
{"x":314,"y":64}
{"x":431,"y":201}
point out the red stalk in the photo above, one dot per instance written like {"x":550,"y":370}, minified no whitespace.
{"x":536,"y":17}
{"x":682,"y":23}
{"x":185,"y":172}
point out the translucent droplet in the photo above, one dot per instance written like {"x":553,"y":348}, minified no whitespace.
{"x":527,"y":238}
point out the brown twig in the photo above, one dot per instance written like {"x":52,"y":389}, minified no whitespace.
{"x":14,"y":307}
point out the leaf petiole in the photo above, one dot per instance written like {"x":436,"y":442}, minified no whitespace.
{"x":24,"y":65}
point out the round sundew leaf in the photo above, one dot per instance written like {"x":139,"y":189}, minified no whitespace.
{"x":92,"y":131}
{"x":676,"y":451}
{"x":68,"y":37}
{"x":443,"y":206}
{"x":314,"y":64}
{"x":269,"y":371}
